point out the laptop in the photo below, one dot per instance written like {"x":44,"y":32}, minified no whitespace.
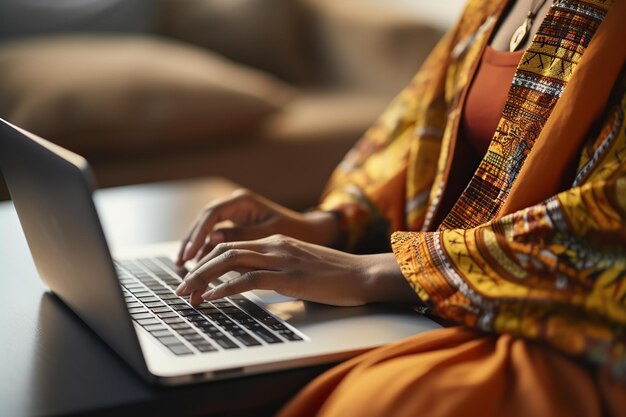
{"x":128,"y":298}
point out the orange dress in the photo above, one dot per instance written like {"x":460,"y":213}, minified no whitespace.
{"x":460,"y":372}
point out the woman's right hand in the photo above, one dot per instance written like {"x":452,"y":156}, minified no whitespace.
{"x":249,"y":217}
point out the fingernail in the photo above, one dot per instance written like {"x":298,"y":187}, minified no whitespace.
{"x":186,"y":253}
{"x":207,"y":295}
{"x":181,"y":288}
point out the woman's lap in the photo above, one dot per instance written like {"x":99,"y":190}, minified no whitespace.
{"x":457,"y":371}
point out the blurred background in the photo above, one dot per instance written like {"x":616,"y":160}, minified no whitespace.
{"x":268,"y":93}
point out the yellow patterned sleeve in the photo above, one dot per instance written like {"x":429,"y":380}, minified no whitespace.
{"x":555,"y":271}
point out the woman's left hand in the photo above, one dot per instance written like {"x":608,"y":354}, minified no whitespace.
{"x":298,"y":269}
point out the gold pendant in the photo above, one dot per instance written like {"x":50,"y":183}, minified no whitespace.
{"x":520,"y":35}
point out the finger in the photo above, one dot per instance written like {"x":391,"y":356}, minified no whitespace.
{"x":199,"y":232}
{"x":184,"y":253}
{"x":234,"y":234}
{"x":252,"y":280}
{"x":237,"y":208}
{"x":215,"y":266}
{"x":267,"y":245}
{"x":195,"y":298}
{"x":264,"y":245}
{"x":214,"y":238}
{"x":186,"y":244}
{"x":181,"y":251}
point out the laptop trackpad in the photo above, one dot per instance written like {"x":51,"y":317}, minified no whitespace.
{"x":272,"y":297}
{"x":301,"y":313}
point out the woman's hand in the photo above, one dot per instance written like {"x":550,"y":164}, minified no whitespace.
{"x":298,"y":269}
{"x":250,"y":217}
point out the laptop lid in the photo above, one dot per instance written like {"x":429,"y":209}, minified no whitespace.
{"x":51,"y":189}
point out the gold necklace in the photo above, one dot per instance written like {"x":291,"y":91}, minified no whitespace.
{"x":521,"y":33}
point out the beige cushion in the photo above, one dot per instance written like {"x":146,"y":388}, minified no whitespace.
{"x":112,"y":93}
{"x":318,"y":116}
{"x":268,"y":34}
{"x":375,"y":47}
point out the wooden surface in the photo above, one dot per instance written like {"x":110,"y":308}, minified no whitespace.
{"x":52,"y":364}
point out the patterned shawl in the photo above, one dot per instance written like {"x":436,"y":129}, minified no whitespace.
{"x":526,"y":250}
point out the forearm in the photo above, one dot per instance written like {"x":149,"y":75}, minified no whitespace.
{"x":321,"y":228}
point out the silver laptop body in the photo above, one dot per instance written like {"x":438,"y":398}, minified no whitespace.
{"x":51,"y":189}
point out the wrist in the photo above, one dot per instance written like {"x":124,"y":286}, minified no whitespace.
{"x":323,"y":227}
{"x":384,"y":281}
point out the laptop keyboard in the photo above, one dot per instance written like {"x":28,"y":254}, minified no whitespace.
{"x":229,"y":323}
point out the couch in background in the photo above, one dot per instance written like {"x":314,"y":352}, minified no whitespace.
{"x":268,"y":93}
